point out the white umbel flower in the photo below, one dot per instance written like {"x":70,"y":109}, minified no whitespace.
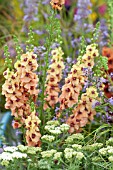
{"x":64,"y":127}
{"x":19,"y":155}
{"x":47,"y":154}
{"x":57,"y":155}
{"x":6,"y":156}
{"x":10,"y":149}
{"x":110,"y":158}
{"x":48,"y":138}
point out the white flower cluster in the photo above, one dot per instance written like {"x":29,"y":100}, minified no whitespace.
{"x":77,"y":147}
{"x":103,"y":151}
{"x":49,"y":127}
{"x":18,"y":155}
{"x":69,"y":153}
{"x":11,"y":152}
{"x":10,"y":156}
{"x":110,"y":158}
{"x":54,"y":128}
{"x":106,"y":151}
{"x":56,"y":131}
{"x":64,"y":127}
{"x":29,"y":150}
{"x":110,"y":151}
{"x":79,"y":155}
{"x":53,"y":122}
{"x":22,"y":148}
{"x":6,"y":157}
{"x":10,"y":149}
{"x":110,"y":141}
{"x":48,"y":138}
{"x":33,"y":150}
{"x":57,"y":155}
{"x":93,"y":147}
{"x":48,"y":154}
{"x":74,"y":138}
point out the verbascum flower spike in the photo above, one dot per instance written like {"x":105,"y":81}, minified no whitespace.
{"x":53,"y":78}
{"x":32,"y":130}
{"x":88,"y":58}
{"x":20,"y":87}
{"x":72,"y":87}
{"x":76,"y":78}
{"x":83,"y":112}
{"x":57,"y":4}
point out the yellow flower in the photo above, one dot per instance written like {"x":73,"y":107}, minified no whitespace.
{"x":57,"y":53}
{"x":93,"y":16}
{"x":90,"y":48}
{"x":76,"y":70}
{"x":17,"y":65}
{"x":92,"y":92}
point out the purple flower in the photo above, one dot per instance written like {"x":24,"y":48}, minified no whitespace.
{"x":69,"y":59}
{"x":104,"y":33}
{"x":1,"y":150}
{"x":82,"y":13}
{"x":45,"y":2}
{"x":95,"y":103}
{"x":110,"y":100}
{"x":57,"y":109}
{"x":30,"y":9}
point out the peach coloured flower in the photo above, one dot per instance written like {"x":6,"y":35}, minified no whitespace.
{"x":32,"y":121}
{"x":57,"y":4}
{"x":89,"y":63}
{"x":29,"y":61}
{"x":83,"y":112}
{"x":33,"y":139}
{"x":74,"y":124}
{"x":71,"y":88}
{"x":53,"y":78}
{"x":52,"y":100}
{"x":67,"y":90}
{"x":76,"y":70}
{"x":32,"y":134}
{"x":52,"y":89}
{"x":20,"y":87}
{"x":76,"y":78}
{"x":7,"y":87}
{"x":108,"y":52}
{"x":57,"y":65}
{"x":16,"y":125}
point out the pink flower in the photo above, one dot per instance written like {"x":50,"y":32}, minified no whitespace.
{"x":102,"y":9}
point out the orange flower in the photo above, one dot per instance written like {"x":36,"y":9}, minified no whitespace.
{"x":19,"y":87}
{"x":108,"y":52}
{"x":57,"y":4}
{"x":16,"y":125}
{"x":83,"y":112}
{"x":53,"y":78}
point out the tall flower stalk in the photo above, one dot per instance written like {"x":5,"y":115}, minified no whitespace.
{"x":21,"y":94}
{"x":54,"y":36}
{"x":110,"y":9}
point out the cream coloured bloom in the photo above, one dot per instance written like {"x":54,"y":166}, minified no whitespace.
{"x":48,"y":138}
{"x":92,"y":92}
{"x":57,"y":155}
{"x":48,"y":154}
